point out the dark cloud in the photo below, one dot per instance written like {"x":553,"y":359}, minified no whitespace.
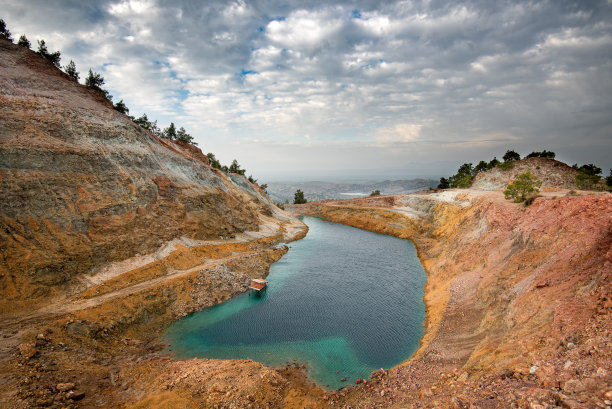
{"x":403,"y":79}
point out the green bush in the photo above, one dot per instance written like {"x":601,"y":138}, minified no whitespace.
{"x":299,"y":198}
{"x":444,"y":183}
{"x":511,"y":156}
{"x":588,"y":176}
{"x":523,"y":186}
{"x":506,"y":165}
{"x":375,"y":193}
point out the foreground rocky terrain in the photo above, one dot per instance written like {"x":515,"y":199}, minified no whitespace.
{"x":108,"y":234}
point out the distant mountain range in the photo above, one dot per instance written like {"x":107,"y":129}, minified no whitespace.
{"x":279,"y":192}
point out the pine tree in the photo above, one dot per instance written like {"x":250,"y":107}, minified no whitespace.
{"x":214,"y":162}
{"x":24,"y":42}
{"x":94,"y":80}
{"x":444,"y":183}
{"x":170,"y":132}
{"x":70,"y":69}
{"x":299,"y":198}
{"x":524,"y":185}
{"x":235,"y":168}
{"x":121,"y":107}
{"x":5,"y":31}
{"x":43,"y":51}
{"x":511,"y":156}
{"x":183,"y":136}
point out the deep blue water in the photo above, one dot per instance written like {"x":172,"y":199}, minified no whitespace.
{"x":342,"y":299}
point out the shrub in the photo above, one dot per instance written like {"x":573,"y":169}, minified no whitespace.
{"x":531,"y":199}
{"x":586,"y":181}
{"x":524,"y":185}
{"x":588,"y":176}
{"x":375,"y":193}
{"x":506,"y":165}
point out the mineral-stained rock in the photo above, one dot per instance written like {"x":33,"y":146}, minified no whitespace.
{"x":63,"y":387}
{"x":82,"y":185}
{"x":27,"y":350}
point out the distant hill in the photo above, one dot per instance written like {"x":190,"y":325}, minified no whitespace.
{"x":279,"y":192}
{"x":550,"y":172}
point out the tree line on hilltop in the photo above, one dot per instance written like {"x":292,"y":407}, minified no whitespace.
{"x":95,"y":81}
{"x":588,"y":176}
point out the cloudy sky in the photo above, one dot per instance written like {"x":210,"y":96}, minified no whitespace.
{"x":319,"y":89}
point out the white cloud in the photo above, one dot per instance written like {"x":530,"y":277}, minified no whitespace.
{"x":353,"y":74}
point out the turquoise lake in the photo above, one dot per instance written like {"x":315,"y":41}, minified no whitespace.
{"x":344,"y":301}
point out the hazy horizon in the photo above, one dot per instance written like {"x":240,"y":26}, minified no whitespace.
{"x":307,"y":89}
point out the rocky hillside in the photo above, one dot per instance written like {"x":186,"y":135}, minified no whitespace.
{"x":82,"y":185}
{"x":519,"y":300}
{"x":550,"y":172}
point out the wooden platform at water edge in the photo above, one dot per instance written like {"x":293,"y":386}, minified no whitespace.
{"x":258,"y":285}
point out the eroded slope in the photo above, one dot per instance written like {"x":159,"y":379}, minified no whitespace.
{"x":518,"y":299}
{"x":82,"y":185}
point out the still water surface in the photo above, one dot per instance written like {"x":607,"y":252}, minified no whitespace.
{"x":344,"y":301}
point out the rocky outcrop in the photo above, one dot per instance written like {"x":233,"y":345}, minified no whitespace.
{"x":518,"y":298}
{"x":82,"y":185}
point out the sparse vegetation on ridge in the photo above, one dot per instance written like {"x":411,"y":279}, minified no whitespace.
{"x":588,"y":177}
{"x":96,"y":81}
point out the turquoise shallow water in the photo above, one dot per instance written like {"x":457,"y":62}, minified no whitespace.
{"x":341,"y":300}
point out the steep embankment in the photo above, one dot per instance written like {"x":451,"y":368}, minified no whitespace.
{"x":107,"y":234}
{"x":82,"y":185}
{"x":518,"y":299}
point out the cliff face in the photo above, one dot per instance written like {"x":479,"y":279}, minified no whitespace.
{"x":518,"y":299}
{"x":82,"y":185}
